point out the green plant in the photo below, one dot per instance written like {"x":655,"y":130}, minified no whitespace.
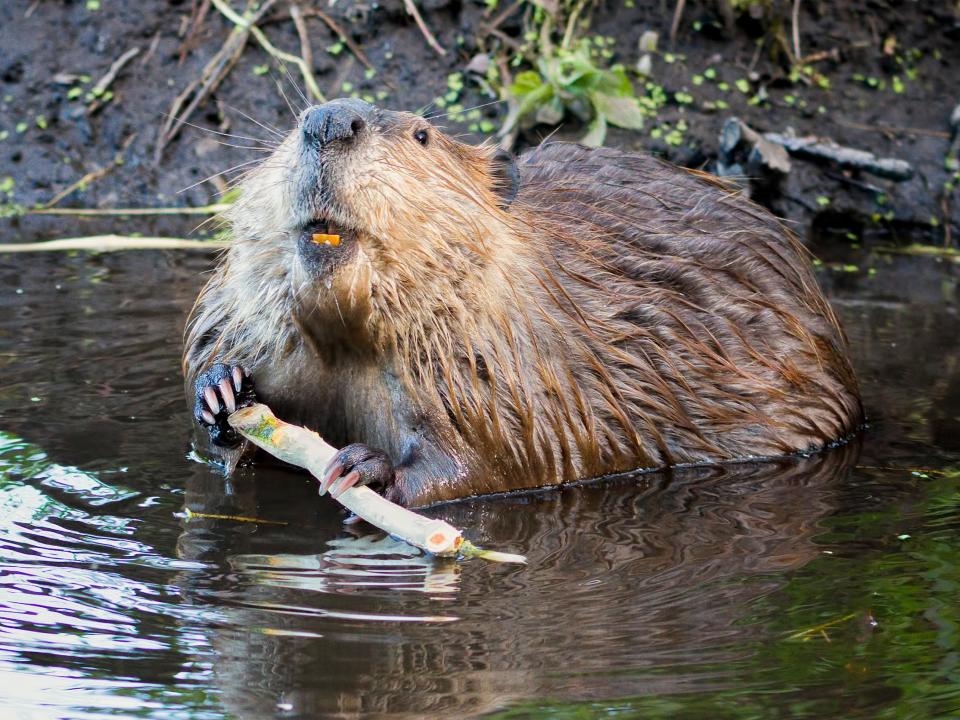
{"x":569,"y":80}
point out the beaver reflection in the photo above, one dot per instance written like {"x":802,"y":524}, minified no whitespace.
{"x":621,"y":585}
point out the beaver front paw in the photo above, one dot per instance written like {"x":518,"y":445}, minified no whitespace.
{"x":220,"y":390}
{"x":356,"y":465}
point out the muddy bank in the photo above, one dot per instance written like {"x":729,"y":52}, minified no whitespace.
{"x":880,"y":77}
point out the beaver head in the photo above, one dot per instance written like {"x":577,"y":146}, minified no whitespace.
{"x":358,"y":200}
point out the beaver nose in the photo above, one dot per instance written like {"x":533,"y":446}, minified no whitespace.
{"x":335,"y":120}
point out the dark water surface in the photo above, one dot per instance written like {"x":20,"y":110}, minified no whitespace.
{"x":819,"y":588}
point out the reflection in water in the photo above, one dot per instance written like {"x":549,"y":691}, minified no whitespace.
{"x":651,"y":596}
{"x":362,"y":564}
{"x":639,"y":576}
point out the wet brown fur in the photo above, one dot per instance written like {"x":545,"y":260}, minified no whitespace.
{"x":620,"y":313}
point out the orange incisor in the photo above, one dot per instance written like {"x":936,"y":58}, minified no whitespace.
{"x":325,"y":239}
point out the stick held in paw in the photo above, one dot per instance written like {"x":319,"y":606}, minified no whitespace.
{"x":304,"y":448}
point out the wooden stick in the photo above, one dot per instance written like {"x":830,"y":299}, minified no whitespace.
{"x":947,"y":254}
{"x":247,"y":24}
{"x":200,"y":88}
{"x":675,"y":23}
{"x":92,"y":176}
{"x":111,"y":243}
{"x":431,"y":40}
{"x":191,"y":515}
{"x":347,"y":40}
{"x":304,"y":448}
{"x":213,"y":73}
{"x":111,"y":212}
{"x":107,"y":80}
{"x":827,"y":149}
{"x":795,"y":21}
{"x":306,"y":52}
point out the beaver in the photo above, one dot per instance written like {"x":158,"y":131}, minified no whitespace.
{"x":463,"y":322}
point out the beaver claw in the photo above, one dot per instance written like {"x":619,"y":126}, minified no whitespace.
{"x":219,"y":391}
{"x":355,"y":465}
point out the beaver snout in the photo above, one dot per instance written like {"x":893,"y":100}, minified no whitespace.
{"x":336,"y":120}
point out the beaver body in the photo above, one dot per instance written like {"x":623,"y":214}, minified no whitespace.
{"x":486,"y":325}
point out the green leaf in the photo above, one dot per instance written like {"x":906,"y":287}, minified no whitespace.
{"x":534,"y":99}
{"x":525,"y":82}
{"x":614,"y":82}
{"x":530,"y":102}
{"x":623,"y":112}
{"x":596,"y":133}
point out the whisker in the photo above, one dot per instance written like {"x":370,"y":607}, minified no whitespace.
{"x":269,"y":128}
{"x":425,"y":109}
{"x":244,"y":147}
{"x":218,"y":174}
{"x":283,"y":94}
{"x":339,"y":312}
{"x":466,"y":110}
{"x":289,"y":76}
{"x":212,"y":218}
{"x":270,"y":142}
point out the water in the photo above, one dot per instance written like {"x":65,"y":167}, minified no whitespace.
{"x":825,"y":587}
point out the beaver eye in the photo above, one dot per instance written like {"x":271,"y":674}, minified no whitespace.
{"x":421,"y":136}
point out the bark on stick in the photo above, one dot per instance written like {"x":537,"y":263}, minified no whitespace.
{"x":299,"y":446}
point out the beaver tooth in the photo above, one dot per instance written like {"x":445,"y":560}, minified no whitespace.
{"x":326,"y":239}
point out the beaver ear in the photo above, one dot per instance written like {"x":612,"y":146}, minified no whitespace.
{"x":506,"y":177}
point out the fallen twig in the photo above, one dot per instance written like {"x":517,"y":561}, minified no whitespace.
{"x":212,"y":209}
{"x":950,"y":254}
{"x":112,"y":243}
{"x":821,"y":629}
{"x":198,"y":15}
{"x":151,"y":49}
{"x":191,"y":515}
{"x":249,"y":24}
{"x":739,"y":140}
{"x":425,"y":31}
{"x":568,"y":32}
{"x":201,"y":88}
{"x":91,"y":176}
{"x":795,"y":22}
{"x":827,"y":149}
{"x":103,"y":84}
{"x":499,"y":19}
{"x":299,"y":446}
{"x":675,"y":22}
{"x":509,"y":130}
{"x":347,"y":40}
{"x":306,"y":52}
